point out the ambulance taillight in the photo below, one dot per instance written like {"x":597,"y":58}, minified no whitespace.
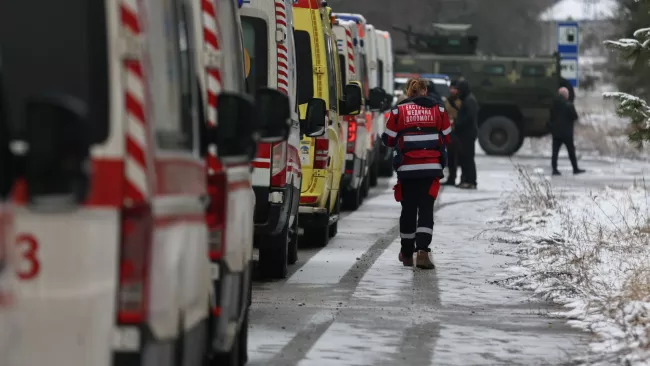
{"x":352,"y":133}
{"x":135,"y":262}
{"x":216,"y":214}
{"x":279,"y":164}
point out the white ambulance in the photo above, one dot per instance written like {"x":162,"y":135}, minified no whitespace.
{"x":116,"y":207}
{"x":277,"y":176}
{"x":355,"y":182}
{"x":375,"y":96}
{"x":7,"y":274}
{"x":385,"y":77}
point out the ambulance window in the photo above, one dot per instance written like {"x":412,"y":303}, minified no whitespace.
{"x":177,"y":131}
{"x":331,"y":73}
{"x":363,"y":76}
{"x":304,"y":66}
{"x":343,"y":69}
{"x":380,"y":73}
{"x":256,"y":46}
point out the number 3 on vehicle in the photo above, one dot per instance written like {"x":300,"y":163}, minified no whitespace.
{"x":28,"y":265}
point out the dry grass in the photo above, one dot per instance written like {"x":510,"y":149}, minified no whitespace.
{"x":594,"y":249}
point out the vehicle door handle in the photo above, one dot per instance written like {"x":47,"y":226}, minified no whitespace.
{"x":205,"y":200}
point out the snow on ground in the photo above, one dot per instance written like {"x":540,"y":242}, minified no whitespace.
{"x":589,"y":251}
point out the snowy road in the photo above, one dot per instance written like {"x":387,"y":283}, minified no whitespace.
{"x":352,"y":303}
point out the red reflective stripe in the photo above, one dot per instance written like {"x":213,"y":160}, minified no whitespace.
{"x":306,"y":4}
{"x":174,"y":177}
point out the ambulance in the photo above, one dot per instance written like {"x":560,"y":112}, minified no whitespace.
{"x":355,"y":182}
{"x":122,"y":203}
{"x":277,"y":176}
{"x":385,"y":81}
{"x":375,"y":95}
{"x":7,"y":274}
{"x":322,"y":99}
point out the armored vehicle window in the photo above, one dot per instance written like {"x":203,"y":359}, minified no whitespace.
{"x":256,"y":45}
{"x":494,"y":70}
{"x":533,"y":71}
{"x":304,"y":66}
{"x":331,"y":73}
{"x":454,"y":71}
{"x":343,"y":69}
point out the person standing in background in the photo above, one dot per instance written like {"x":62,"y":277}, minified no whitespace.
{"x":466,"y":129}
{"x":452,"y":106}
{"x":563,"y":116}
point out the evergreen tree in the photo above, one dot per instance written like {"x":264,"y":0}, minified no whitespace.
{"x":632,"y":71}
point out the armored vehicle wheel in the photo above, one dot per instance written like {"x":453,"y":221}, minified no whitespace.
{"x":499,"y":136}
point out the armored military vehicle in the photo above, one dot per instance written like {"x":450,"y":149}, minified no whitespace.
{"x":514,"y":92}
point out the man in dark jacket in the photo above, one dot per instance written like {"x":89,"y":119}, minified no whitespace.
{"x":466,"y":128}
{"x":562,"y":119}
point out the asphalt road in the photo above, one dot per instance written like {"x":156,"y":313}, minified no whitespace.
{"x":352,"y":303}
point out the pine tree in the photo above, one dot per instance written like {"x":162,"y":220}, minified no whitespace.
{"x":633,"y":72}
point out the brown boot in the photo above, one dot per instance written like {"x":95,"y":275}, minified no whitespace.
{"x":423,"y":261}
{"x":407,"y":260}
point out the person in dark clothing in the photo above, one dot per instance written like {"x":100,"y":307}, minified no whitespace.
{"x":563,"y":116}
{"x":452,"y":106}
{"x":466,"y":129}
{"x":418,"y":128}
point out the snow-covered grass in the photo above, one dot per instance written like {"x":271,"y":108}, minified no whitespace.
{"x":588,"y":251}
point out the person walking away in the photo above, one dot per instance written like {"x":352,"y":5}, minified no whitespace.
{"x":563,"y":116}
{"x":466,"y":128}
{"x":452,"y":106}
{"x":415,"y":129}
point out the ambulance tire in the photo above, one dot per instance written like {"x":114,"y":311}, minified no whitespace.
{"x":365,"y":188}
{"x":316,"y":236}
{"x":292,"y":253}
{"x":274,"y":255}
{"x":352,"y":199}
{"x":243,"y":341}
{"x":374,"y":172}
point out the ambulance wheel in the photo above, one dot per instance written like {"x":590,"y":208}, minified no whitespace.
{"x":292,"y":255}
{"x":374,"y":173}
{"x":274,"y":255}
{"x":365,"y":188}
{"x":334,"y":227}
{"x":352,"y":199}
{"x":243,"y":341}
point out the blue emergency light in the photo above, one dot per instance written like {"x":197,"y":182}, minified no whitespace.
{"x":241,"y":3}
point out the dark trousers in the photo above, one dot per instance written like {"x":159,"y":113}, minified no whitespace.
{"x":416,"y":221}
{"x":568,"y":142}
{"x":466,"y":159}
{"x":452,"y":158}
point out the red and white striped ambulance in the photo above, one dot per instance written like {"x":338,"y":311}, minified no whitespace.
{"x":116,"y":206}
{"x":355,"y":182}
{"x":277,"y":176}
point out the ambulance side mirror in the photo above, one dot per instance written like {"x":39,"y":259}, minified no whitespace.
{"x":376,"y":99}
{"x":315,"y":122}
{"x":273,"y":115}
{"x":352,"y":100}
{"x":236,"y":133}
{"x":55,"y":152}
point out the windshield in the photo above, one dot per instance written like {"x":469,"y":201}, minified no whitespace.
{"x":255,"y":46}
{"x":304,"y":67}
{"x":58,"y":34}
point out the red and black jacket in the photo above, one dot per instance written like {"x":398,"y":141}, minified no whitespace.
{"x":418,"y":128}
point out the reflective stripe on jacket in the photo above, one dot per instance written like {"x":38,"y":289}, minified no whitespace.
{"x":419,"y":130}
